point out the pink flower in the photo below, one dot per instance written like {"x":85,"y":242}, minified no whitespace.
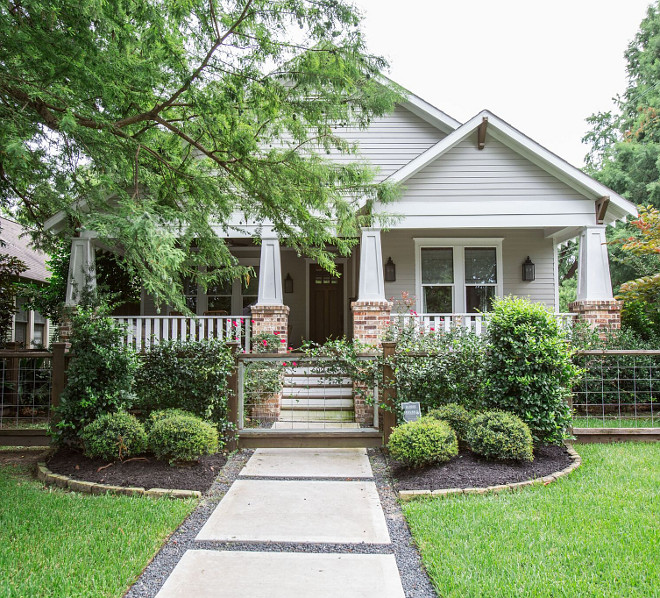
{"x":251,"y":321}
{"x":290,"y":348}
{"x":284,"y":364}
{"x":432,"y":329}
{"x":294,"y":364}
{"x":276,"y":333}
{"x":234,"y":322}
{"x":237,"y":338}
{"x":283,"y":340}
{"x":242,"y":320}
{"x":264,"y":342}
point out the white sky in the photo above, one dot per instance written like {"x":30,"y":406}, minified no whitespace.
{"x":542,"y":66}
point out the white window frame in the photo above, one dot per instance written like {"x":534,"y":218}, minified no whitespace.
{"x":458,"y":246}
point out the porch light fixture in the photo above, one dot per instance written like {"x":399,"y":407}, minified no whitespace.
{"x":528,"y":270}
{"x":288,"y":284}
{"x":390,"y":271}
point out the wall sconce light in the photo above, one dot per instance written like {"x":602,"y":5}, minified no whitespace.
{"x":288,"y":284}
{"x":390,"y":271}
{"x":528,"y":270}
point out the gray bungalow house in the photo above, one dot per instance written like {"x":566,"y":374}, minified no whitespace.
{"x":480,"y":200}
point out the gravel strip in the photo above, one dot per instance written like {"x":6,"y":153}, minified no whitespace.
{"x":415,"y":581}
{"x":155,"y":574}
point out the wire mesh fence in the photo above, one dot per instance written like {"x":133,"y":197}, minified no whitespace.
{"x":296,"y":392}
{"x":25,"y":389}
{"x":617,"y":389}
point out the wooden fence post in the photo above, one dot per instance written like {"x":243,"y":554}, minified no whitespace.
{"x":232,"y":397}
{"x":389,"y":391}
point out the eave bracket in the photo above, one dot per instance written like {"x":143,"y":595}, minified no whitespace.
{"x":601,"y":209}
{"x":481,"y":133}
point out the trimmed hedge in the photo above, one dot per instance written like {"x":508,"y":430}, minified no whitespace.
{"x":500,"y":435}
{"x":114,"y":436}
{"x":423,"y":442}
{"x":182,"y":438}
{"x":156,"y":416}
{"x":457,"y":416}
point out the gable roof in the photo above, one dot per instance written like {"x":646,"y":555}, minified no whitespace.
{"x":618,"y":207}
{"x":11,"y":233}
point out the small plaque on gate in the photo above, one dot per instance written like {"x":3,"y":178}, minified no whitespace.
{"x":412,"y":411}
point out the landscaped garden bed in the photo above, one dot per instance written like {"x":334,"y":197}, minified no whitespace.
{"x":468,"y":470}
{"x":145,"y":472}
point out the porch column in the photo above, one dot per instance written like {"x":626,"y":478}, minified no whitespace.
{"x":595,"y":302}
{"x":270,"y":315}
{"x":81,"y":278}
{"x":371,"y":311}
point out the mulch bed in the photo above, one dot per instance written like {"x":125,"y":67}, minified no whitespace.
{"x":145,"y":474}
{"x":468,"y":470}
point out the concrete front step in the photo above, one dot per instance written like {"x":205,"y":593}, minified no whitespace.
{"x":320,"y":392}
{"x":300,"y":415}
{"x":316,"y":403}
{"x":316,"y":381}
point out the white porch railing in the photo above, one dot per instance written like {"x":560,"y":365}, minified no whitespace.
{"x":476,"y":322}
{"x":143,"y":331}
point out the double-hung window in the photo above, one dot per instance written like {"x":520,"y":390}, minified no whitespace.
{"x":458,"y":275}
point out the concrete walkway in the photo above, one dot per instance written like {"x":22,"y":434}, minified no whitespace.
{"x":322,"y":503}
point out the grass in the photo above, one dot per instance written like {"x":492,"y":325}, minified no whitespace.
{"x":612,"y":421}
{"x":594,"y":533}
{"x":56,"y":543}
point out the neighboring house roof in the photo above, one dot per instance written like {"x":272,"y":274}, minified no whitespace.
{"x":18,"y":245}
{"x":617,"y":208}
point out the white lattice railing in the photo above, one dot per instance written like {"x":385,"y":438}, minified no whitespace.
{"x":143,"y":331}
{"x":446,"y":322}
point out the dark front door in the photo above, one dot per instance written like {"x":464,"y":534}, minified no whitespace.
{"x":326,"y":304}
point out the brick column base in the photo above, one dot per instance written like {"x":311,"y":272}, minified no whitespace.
{"x":600,"y":315}
{"x":370,"y":321}
{"x":273,"y":319}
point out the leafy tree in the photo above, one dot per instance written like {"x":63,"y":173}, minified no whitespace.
{"x":625,"y":155}
{"x":152,"y":121}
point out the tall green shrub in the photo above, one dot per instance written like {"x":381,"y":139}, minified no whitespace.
{"x":452,"y":373}
{"x":100,"y":375}
{"x":529,"y":367}
{"x":190,"y":376}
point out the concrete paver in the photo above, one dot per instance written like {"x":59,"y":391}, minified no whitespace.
{"x":224,"y":574}
{"x":312,"y":462}
{"x":298,"y":511}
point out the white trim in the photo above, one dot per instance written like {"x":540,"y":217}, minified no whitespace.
{"x":458,"y":245}
{"x":619,"y":207}
{"x":555,"y":274}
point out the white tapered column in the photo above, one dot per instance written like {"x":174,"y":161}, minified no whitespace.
{"x":82,"y":270}
{"x":270,"y":270}
{"x":372,"y":283}
{"x":594,"y":282}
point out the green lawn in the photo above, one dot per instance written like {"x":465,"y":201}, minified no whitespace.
{"x":56,"y":543}
{"x":617,"y":422}
{"x":593,"y":533}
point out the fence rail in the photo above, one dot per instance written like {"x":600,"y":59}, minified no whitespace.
{"x":445,"y":322}
{"x":143,"y":331}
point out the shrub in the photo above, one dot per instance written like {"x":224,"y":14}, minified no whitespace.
{"x":453,"y":372}
{"x":100,"y":375}
{"x":114,"y":436}
{"x":423,"y":442}
{"x":191,"y":376}
{"x":529,"y":367}
{"x":156,"y":416}
{"x":457,"y":416}
{"x":500,"y":435}
{"x":182,"y":438}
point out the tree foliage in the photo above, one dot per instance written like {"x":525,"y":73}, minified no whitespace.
{"x":153,"y":121}
{"x":10,"y":269}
